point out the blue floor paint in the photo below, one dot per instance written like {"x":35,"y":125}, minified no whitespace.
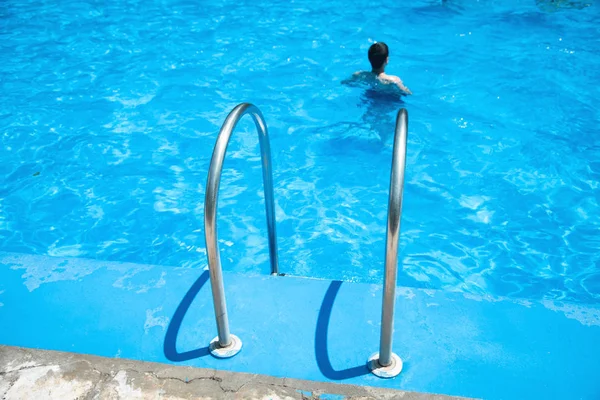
{"x":327,"y":396}
{"x":302,"y":328}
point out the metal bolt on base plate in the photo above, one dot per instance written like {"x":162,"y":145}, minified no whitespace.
{"x":225,"y":352}
{"x":390,"y":371}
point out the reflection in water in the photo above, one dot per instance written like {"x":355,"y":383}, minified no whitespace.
{"x":380,"y":103}
{"x":380,"y":107}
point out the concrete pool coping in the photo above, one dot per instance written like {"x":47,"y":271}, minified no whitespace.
{"x":299,"y":328}
{"x":31,"y":373}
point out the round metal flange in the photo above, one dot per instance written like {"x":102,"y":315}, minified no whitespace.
{"x":225,"y":352}
{"x":390,"y":371}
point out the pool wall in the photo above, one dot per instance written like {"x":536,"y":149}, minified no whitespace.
{"x":301,"y":328}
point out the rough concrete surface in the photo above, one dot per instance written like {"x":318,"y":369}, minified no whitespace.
{"x":40,"y":374}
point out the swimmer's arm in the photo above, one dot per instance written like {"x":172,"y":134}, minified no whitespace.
{"x":401,"y":86}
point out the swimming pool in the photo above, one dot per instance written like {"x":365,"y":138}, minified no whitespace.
{"x":110,"y":111}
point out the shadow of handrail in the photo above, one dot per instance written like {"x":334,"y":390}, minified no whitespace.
{"x":321,"y":332}
{"x":170,"y":343}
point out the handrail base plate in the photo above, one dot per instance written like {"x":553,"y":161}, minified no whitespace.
{"x":225,"y":352}
{"x":390,"y":371}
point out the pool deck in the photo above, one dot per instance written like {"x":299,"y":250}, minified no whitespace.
{"x":305,"y":329}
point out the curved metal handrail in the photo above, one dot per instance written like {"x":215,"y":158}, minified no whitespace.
{"x":385,"y":363}
{"x":226,"y":344}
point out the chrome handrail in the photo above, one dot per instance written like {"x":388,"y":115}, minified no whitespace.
{"x":226,"y":344}
{"x":386,"y":364}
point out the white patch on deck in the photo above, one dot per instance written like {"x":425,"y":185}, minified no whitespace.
{"x":13,"y":366}
{"x":587,"y":316}
{"x":374,"y":290}
{"x":40,"y":270}
{"x":124,"y":390}
{"x":154,"y":284}
{"x":524,"y":302}
{"x":152,"y":321}
{"x":4,"y":385}
{"x":46,"y":382}
{"x":124,"y":282}
{"x":405,"y":292}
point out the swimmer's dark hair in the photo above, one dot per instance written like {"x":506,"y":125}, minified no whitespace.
{"x":378,"y":53}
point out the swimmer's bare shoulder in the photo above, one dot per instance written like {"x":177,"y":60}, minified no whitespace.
{"x":383,"y":78}
{"x":392,"y":79}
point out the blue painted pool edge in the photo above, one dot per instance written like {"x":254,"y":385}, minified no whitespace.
{"x":302,"y":328}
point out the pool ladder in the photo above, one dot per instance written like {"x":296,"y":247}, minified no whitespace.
{"x":385,"y":363}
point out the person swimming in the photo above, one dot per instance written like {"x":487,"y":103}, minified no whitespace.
{"x":379,"y":58}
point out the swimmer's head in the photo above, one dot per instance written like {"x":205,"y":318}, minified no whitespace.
{"x":378,"y":55}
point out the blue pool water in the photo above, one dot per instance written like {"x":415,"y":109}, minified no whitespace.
{"x":109,"y":112}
